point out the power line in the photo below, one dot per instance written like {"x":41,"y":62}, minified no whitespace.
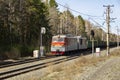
{"x":98,"y":23}
{"x":89,"y":16}
{"x":78,"y":11}
{"x":117,"y":36}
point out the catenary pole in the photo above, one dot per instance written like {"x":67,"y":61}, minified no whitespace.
{"x":108,"y":25}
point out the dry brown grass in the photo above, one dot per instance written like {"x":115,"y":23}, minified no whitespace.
{"x":116,"y":53}
{"x":68,"y":71}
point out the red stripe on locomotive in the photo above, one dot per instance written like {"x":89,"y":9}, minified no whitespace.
{"x":58,"y":43}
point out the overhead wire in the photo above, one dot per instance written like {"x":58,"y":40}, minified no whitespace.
{"x":98,"y":24}
{"x":89,"y":16}
{"x":110,"y":2}
{"x":78,"y":11}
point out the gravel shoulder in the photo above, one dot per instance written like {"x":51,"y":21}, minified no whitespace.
{"x":108,"y":70}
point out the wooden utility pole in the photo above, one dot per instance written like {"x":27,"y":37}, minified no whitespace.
{"x":77,"y":25}
{"x":66,"y":29}
{"x":92,"y":37}
{"x":93,"y":46}
{"x":117,"y":36}
{"x":108,"y":25}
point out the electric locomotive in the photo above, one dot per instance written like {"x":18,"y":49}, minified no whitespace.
{"x":64,"y":44}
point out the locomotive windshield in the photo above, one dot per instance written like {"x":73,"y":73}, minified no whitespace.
{"x":57,"y":39}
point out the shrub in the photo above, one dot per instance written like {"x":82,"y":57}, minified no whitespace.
{"x":13,"y":53}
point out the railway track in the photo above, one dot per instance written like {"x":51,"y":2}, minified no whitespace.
{"x":28,"y":65}
{"x":12,"y":71}
{"x":24,"y":61}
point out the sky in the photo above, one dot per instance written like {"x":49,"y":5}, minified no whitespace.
{"x":94,"y":11}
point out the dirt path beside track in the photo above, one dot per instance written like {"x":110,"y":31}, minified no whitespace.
{"x":108,"y":70}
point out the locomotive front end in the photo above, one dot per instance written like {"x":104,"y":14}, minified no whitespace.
{"x":58,"y":45}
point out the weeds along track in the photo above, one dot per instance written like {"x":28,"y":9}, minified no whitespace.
{"x":8,"y":72}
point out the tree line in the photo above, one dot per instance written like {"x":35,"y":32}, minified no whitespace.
{"x":20,"y":25}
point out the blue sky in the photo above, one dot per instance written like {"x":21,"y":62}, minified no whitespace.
{"x":94,"y":8}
